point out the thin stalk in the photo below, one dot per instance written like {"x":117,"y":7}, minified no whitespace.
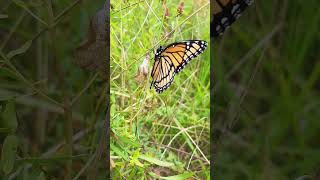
{"x":62,"y":85}
{"x":22,"y":78}
{"x":42,"y":114}
{"x":13,"y":29}
{"x":56,"y":19}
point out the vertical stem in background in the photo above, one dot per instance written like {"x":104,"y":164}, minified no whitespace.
{"x":107,"y":120}
{"x":62,"y":86}
{"x":123,"y":83}
{"x":282,"y":20}
{"x":122,"y":59}
{"x":42,"y":76}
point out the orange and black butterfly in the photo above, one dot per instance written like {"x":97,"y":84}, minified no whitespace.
{"x":225,"y":12}
{"x":171,"y":60}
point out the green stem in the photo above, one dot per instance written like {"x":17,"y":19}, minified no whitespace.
{"x":62,"y":85}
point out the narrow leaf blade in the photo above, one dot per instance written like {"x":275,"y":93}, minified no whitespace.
{"x":8,"y":153}
{"x":20,"y":50}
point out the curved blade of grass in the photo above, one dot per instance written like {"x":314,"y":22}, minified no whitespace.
{"x":176,"y":177}
{"x":24,"y":6}
{"x":122,"y":153}
{"x":43,"y":160}
{"x":3,"y":16}
{"x":156,"y":161}
{"x":8,"y":153}
{"x":20,"y":50}
{"x":9,"y":117}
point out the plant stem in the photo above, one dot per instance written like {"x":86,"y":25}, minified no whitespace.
{"x":62,"y":85}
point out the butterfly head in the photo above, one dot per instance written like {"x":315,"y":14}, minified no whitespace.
{"x":159,"y":51}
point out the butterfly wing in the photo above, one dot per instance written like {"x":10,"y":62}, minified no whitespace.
{"x":172,"y":60}
{"x":181,"y":53}
{"x":225,"y":12}
{"x":162,"y":73}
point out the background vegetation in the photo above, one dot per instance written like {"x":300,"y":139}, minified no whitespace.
{"x":266,"y":107}
{"x":52,"y":112}
{"x":154,"y":135}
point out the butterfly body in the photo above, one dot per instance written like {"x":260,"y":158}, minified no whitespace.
{"x":171,"y":60}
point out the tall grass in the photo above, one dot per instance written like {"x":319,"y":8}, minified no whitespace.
{"x":51,"y":111}
{"x":158,"y":135}
{"x":267,"y":93}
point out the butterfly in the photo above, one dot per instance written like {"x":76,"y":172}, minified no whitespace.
{"x":225,"y":12}
{"x":171,"y":60}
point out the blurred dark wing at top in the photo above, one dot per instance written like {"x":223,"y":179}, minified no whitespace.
{"x":92,"y":53}
{"x":225,"y":12}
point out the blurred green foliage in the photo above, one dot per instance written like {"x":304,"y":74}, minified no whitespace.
{"x":51,"y":115}
{"x":267,"y":93}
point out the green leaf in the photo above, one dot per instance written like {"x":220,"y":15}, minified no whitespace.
{"x":41,"y":176}
{"x":122,"y":153}
{"x":42,"y":160}
{"x":176,"y":177}
{"x":8,"y":154}
{"x":35,"y":3}
{"x":156,"y":161}
{"x":9,"y":117}
{"x":7,"y":73}
{"x":6,"y":95}
{"x":20,"y":3}
{"x":20,"y":50}
{"x":3,"y":16}
{"x":129,"y":141}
